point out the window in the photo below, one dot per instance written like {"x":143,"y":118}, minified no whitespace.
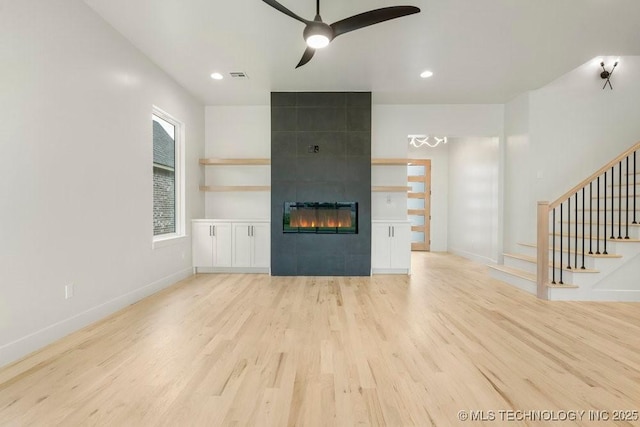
{"x":167,"y":176}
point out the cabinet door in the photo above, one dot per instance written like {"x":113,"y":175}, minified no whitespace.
{"x":241,"y":245}
{"x":222,"y":245}
{"x":202,"y":244}
{"x":380,"y":245}
{"x":261,"y":250}
{"x":401,"y":246}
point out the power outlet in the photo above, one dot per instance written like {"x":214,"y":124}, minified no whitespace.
{"x":68,"y":291}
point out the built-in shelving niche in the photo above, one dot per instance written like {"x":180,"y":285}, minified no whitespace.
{"x":266,"y":162}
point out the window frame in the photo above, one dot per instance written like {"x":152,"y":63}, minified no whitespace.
{"x":166,"y":239}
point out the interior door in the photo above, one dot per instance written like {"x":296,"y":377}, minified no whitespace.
{"x":419,"y":203}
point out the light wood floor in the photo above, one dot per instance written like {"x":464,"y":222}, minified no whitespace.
{"x":387,"y":350}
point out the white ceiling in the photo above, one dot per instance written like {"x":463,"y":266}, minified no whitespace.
{"x":481,"y":51}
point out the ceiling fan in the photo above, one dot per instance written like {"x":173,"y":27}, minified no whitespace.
{"x":318,"y":34}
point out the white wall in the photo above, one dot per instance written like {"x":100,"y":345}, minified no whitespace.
{"x":238,"y":132}
{"x":560,"y":134}
{"x":387,"y":144}
{"x":244,"y":131}
{"x":76,"y":185}
{"x":519,"y":206}
{"x":577,"y":127}
{"x":390,"y":126}
{"x":473,"y":198}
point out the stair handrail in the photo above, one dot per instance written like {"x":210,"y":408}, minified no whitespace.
{"x":593,"y":176}
{"x":543,"y":218}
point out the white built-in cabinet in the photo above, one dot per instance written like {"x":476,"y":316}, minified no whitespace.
{"x":390,"y":247}
{"x":211,"y":244}
{"x":251,"y":244}
{"x":231,"y":246}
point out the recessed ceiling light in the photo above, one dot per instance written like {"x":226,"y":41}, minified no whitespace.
{"x":426,"y":74}
{"x":217,"y":76}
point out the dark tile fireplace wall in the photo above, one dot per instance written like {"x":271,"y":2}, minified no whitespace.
{"x":339,"y":124}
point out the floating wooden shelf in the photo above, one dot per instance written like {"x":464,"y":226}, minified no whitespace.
{"x":235,"y":188}
{"x":237,"y":162}
{"x":389,"y":189}
{"x":390,"y":162}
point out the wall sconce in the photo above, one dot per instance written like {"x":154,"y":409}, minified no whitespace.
{"x":420,"y":140}
{"x":606,"y":75}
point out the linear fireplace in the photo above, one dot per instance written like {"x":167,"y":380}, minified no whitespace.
{"x":321,"y":217}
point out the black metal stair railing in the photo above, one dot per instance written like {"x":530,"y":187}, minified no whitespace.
{"x":571,"y":238}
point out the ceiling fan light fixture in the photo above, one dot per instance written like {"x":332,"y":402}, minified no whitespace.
{"x":317,"y":35}
{"x":317,"y":41}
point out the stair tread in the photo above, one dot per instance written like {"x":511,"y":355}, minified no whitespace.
{"x":515,"y":272}
{"x":520,"y":256}
{"x":527,"y":276}
{"x":603,"y":224}
{"x":616,"y":196}
{"x":559,"y":286}
{"x":535,"y":260}
{"x":602,"y":209}
{"x":557,"y":249}
{"x":609,"y":239}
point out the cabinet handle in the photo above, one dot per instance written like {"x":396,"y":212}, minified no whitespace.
{"x":393,"y":231}
{"x":249,"y":231}
{"x":253,"y":231}
{"x":213,"y":227}
{"x":388,"y":231}
{"x":211,"y":230}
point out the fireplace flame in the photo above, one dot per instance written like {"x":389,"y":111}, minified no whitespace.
{"x":321,"y":218}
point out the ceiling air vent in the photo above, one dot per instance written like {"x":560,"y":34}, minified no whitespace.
{"x":238,"y":75}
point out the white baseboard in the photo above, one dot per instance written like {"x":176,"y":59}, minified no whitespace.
{"x":594,"y":295}
{"x":391,"y":271}
{"x":21,"y":347}
{"x":622,"y":295}
{"x":249,"y":270}
{"x":473,"y":257}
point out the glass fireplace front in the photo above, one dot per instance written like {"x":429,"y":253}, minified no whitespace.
{"x":321,"y":217}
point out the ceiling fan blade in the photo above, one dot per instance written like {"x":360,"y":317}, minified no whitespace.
{"x":306,"y":56}
{"x":371,"y":17}
{"x":274,"y":4}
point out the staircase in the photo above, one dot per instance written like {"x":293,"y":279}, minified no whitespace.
{"x":588,"y":240}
